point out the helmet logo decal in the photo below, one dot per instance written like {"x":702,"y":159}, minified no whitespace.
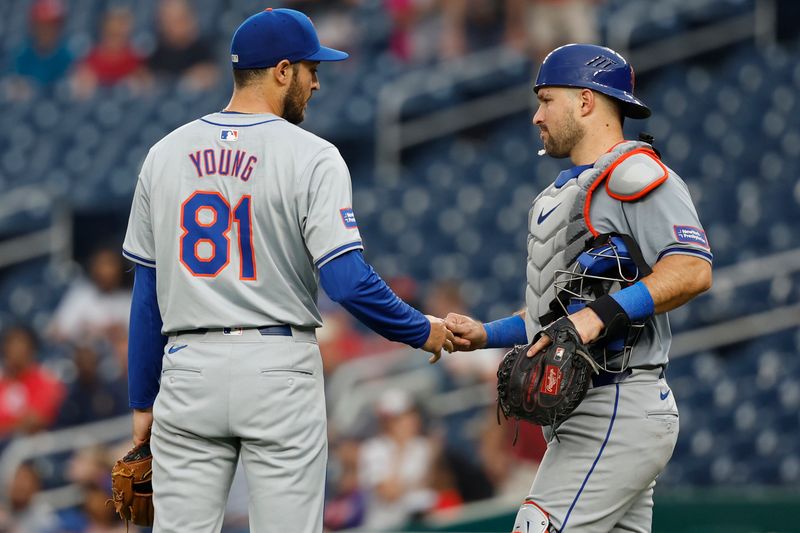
{"x":601,"y":62}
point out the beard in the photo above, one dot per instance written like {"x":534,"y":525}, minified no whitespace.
{"x":293,"y":103}
{"x":559,"y":143}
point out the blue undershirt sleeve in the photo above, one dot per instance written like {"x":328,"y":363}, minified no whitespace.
{"x":350,"y":281}
{"x":145,"y":342}
{"x":506,"y":332}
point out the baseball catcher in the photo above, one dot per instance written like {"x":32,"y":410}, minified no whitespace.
{"x":616,"y":428}
{"x":131,"y":486}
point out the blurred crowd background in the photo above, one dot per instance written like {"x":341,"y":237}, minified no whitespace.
{"x":432,"y":114}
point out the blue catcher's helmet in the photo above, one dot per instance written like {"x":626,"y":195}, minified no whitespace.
{"x":592,"y":67}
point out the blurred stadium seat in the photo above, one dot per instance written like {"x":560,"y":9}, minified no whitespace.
{"x":727,"y":123}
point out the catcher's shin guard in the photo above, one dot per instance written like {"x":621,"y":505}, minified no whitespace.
{"x":531,"y":519}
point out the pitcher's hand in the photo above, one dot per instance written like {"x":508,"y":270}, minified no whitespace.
{"x":438,"y":339}
{"x":469,"y":333}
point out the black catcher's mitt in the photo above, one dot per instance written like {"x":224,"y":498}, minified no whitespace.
{"x":546,"y":388}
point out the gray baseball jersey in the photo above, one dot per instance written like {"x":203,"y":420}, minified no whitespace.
{"x":663,"y":223}
{"x":656,"y":211}
{"x":237,"y":212}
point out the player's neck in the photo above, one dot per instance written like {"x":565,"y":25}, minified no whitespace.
{"x":595,"y":144}
{"x":252,"y":102}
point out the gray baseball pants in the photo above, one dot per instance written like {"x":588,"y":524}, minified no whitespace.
{"x":226,"y":396}
{"x":598,"y":476}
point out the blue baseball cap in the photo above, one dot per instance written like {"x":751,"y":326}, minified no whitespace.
{"x":267,"y":38}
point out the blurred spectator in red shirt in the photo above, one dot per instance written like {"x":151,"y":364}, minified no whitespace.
{"x":431,"y":30}
{"x":44,"y":58}
{"x":95,"y":308}
{"x":403,"y":17}
{"x":29,"y":395}
{"x":180,"y":51}
{"x":113,"y":59}
{"x":442,"y":480}
{"x":339,"y":340}
{"x":416,"y":28}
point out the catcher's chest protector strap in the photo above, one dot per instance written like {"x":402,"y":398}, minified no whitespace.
{"x":631,"y":246}
{"x":559,"y":221}
{"x":629,"y":175}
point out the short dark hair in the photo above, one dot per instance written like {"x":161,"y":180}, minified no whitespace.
{"x":615,"y":104}
{"x":25,"y":331}
{"x":244,"y":77}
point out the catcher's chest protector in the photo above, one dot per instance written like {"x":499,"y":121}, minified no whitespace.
{"x":558,"y":230}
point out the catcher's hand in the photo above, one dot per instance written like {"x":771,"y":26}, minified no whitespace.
{"x":132,"y":487}
{"x":546,"y":388}
{"x":586,"y":323}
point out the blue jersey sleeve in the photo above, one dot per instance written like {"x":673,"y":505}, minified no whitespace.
{"x":145,"y":342}
{"x":350,"y":281}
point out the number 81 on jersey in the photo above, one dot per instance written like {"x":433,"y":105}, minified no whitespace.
{"x":206,"y":219}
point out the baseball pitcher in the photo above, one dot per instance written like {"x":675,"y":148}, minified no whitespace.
{"x":236,"y":218}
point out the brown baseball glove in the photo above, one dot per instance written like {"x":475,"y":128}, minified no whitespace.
{"x":132,"y":487}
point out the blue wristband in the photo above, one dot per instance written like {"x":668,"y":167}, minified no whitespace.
{"x":506,"y":332}
{"x":636,"y":301}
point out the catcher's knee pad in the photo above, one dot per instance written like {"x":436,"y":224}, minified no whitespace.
{"x":531,"y":519}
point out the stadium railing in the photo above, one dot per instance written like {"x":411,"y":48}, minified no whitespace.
{"x":394,"y":132}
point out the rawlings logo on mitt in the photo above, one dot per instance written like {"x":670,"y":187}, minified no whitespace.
{"x":546,"y":388}
{"x":132,"y":487}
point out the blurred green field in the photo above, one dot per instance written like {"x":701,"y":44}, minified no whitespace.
{"x":751,"y":510}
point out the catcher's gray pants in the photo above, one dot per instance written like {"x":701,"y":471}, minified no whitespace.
{"x":223,"y":396}
{"x":598,"y":476}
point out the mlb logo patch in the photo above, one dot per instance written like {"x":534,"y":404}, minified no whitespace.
{"x":691,"y":235}
{"x":559,"y":354}
{"x":348,"y":218}
{"x":551,"y":382}
{"x":229,"y":135}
